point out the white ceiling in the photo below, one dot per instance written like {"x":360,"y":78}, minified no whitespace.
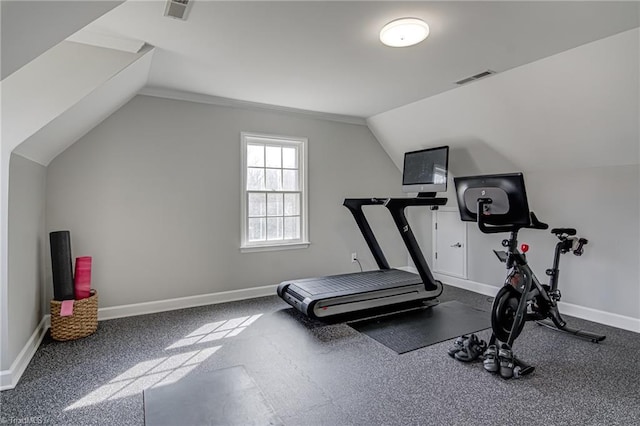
{"x":326,"y":57}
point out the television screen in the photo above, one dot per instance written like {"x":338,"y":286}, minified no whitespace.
{"x":426,"y":170}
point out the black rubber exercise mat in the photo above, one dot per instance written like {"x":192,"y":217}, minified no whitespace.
{"x":61,"y":266}
{"x":415,"y":329}
{"x":222,"y":397}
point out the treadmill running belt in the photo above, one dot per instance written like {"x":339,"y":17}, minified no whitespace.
{"x":358,"y":281}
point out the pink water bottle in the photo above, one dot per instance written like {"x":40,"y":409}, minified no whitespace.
{"x":82,"y":279}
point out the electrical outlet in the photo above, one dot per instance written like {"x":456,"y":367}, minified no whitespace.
{"x":354,"y":256}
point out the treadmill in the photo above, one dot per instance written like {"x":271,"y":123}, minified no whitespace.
{"x":323,"y":297}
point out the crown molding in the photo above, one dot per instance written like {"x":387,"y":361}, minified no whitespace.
{"x":179,"y":95}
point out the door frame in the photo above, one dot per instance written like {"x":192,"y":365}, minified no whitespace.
{"x":434,"y":242}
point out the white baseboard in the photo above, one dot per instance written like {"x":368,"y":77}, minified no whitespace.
{"x":601,"y":317}
{"x":9,"y":378}
{"x":411,"y":269}
{"x":184,"y":302}
{"x":589,"y":314}
{"x":476,"y":287}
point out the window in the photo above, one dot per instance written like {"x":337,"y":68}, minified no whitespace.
{"x":274,"y":199}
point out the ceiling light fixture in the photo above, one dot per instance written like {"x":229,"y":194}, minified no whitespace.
{"x":404,"y":32}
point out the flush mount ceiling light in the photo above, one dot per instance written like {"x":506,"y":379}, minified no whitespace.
{"x":404,"y":32}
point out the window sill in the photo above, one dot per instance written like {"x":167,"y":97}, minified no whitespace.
{"x":274,"y":247}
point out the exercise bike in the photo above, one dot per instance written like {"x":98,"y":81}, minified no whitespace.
{"x":522,"y":287}
{"x":498,"y":203}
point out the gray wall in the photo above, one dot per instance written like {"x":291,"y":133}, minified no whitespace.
{"x":602,"y":203}
{"x":26,"y":246}
{"x":153,"y":194}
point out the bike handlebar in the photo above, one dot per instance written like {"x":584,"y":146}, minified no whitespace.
{"x":580,"y":249}
{"x":483,"y":206}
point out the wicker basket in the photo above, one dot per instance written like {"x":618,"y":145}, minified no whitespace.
{"x":82,"y":323}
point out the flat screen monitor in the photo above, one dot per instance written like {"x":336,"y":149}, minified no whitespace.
{"x":425,"y":171}
{"x":508,"y":196}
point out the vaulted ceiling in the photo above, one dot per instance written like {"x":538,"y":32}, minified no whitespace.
{"x":313,"y":56}
{"x":326,"y":56}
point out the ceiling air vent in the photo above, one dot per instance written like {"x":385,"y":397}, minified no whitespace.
{"x":177,"y":9}
{"x":483,"y":74}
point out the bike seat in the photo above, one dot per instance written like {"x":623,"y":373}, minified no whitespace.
{"x":560,"y":231}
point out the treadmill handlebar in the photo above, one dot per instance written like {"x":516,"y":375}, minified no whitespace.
{"x":359,"y":202}
{"x":417,"y":201}
{"x":355,"y":207}
{"x":400,"y":202}
{"x":396,"y":207}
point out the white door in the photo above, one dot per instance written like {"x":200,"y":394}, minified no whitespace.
{"x":449,"y":243}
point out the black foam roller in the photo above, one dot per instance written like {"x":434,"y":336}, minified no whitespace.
{"x":61,"y":265}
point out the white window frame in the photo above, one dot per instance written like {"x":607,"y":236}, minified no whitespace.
{"x":270,"y":245}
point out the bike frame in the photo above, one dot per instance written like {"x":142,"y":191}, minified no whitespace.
{"x":533,"y":287}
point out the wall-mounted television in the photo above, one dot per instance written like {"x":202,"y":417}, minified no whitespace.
{"x":425,"y":171}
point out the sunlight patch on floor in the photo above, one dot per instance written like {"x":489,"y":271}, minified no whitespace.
{"x":215,"y":331}
{"x":146,"y":374}
{"x":169,"y":369}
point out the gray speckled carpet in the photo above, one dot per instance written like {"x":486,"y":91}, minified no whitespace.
{"x":312,"y":373}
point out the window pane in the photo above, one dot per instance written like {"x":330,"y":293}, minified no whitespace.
{"x":255,"y":156}
{"x":289,"y":158}
{"x":257,"y":205}
{"x":290,"y":180}
{"x":274,"y":156}
{"x":255,"y":179}
{"x":274,"y":179}
{"x":257,"y":229}
{"x":274,"y":228}
{"x":292,"y":228}
{"x":275,"y":175}
{"x":291,"y":204}
{"x":274,"y":204}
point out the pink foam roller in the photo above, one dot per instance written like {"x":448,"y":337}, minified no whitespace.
{"x":82,"y":279}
